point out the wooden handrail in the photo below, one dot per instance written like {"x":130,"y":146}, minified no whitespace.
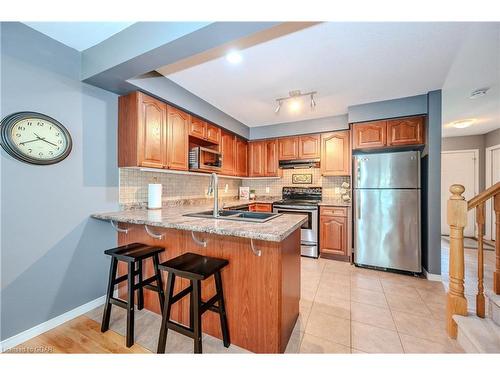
{"x":484,"y":196}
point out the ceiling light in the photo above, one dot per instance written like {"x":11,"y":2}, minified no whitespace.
{"x":295,"y":101}
{"x":462,"y":123}
{"x":234,"y":57}
{"x":478,"y":93}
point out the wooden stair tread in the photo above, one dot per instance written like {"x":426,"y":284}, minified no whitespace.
{"x":494,"y":298}
{"x":484,"y":334}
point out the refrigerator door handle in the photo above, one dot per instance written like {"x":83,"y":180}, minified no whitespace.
{"x":358,"y":204}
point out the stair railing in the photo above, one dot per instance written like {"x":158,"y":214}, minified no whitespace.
{"x":457,"y":209}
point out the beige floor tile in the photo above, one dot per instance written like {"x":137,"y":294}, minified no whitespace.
{"x":413,"y":344}
{"x":336,"y":278}
{"x":327,"y":293}
{"x":374,"y":339}
{"x":308,"y":292}
{"x":438,"y":310}
{"x":403,"y":303}
{"x":429,"y":296}
{"x":329,"y":327}
{"x":369,"y":314}
{"x":293,"y":345}
{"x":419,"y":326}
{"x":340,"y":308}
{"x":366,"y":282}
{"x":313,"y":344}
{"x":369,"y":297}
{"x":356,"y":351}
{"x":393,"y":287}
{"x":333,"y":266}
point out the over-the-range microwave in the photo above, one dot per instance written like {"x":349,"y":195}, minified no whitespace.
{"x":204,"y":159}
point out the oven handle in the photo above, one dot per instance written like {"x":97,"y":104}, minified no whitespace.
{"x":289,"y":208}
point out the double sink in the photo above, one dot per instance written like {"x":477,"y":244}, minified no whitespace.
{"x":255,"y":217}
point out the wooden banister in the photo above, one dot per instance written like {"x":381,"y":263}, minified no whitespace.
{"x":496,"y":274}
{"x":456,"y":304}
{"x":484,"y":196}
{"x":480,"y":302}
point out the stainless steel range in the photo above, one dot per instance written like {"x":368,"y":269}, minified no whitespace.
{"x":303,"y":201}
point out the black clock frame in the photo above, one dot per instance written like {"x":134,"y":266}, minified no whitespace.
{"x":8,"y":145}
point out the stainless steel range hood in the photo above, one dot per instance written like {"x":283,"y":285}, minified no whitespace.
{"x":299,"y":164}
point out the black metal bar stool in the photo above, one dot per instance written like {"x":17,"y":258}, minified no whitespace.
{"x":195,"y":268}
{"x":133,"y":254}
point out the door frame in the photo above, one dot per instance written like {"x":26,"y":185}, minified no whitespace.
{"x":488,"y":154}
{"x":476,"y":174}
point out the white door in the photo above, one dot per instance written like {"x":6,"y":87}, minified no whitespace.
{"x":459,"y":167}
{"x":492,"y":177}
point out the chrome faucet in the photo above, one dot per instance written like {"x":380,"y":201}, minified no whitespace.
{"x":213,"y":188}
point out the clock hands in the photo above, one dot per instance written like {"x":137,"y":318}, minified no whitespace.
{"x":43,"y":139}
{"x":33,"y":140}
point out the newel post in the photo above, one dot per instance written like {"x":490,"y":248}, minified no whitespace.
{"x":456,"y":303}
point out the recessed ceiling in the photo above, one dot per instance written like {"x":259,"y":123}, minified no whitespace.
{"x":346,"y":63}
{"x":79,"y":35}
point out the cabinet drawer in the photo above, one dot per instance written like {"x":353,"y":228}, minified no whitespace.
{"x":334,"y":211}
{"x":261,"y":207}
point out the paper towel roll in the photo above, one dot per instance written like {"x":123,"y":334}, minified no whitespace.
{"x":154,"y":196}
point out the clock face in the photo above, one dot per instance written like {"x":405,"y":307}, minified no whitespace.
{"x":35,"y":138}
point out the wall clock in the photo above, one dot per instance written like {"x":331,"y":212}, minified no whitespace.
{"x":35,"y":138}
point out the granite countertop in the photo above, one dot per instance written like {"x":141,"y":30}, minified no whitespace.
{"x":334,"y":202}
{"x":275,"y":230}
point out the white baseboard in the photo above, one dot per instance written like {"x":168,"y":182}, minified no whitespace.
{"x":49,"y":324}
{"x":432,"y":276}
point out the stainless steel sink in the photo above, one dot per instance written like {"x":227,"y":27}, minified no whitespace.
{"x":256,"y":217}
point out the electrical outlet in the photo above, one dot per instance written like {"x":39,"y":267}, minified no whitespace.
{"x":267,"y":189}
{"x":226,"y":188}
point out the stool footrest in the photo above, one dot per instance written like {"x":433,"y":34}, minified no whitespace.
{"x":120,"y":279}
{"x":181,"y":295}
{"x":118,"y":302}
{"x":210,"y":303}
{"x":180,"y":329}
{"x":145,"y":283}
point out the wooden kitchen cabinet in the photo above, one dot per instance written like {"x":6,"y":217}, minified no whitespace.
{"x":241,"y":157}
{"x":263,"y":158}
{"x":370,"y":134}
{"x":288,"y":148}
{"x":334,"y":233}
{"x":336,"y":154}
{"x":142,"y":131}
{"x":177,"y":139}
{"x":260,"y":207}
{"x":309,"y":146}
{"x":228,"y":150}
{"x":203,"y":130}
{"x":213,"y":133}
{"x":405,"y":131}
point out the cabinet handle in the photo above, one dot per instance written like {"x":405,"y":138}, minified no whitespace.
{"x":117,"y":228}
{"x":202,"y":243}
{"x":256,"y":251}
{"x":154,"y":235}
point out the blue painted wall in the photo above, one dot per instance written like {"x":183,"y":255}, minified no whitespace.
{"x":51,"y":251}
{"x":408,"y":106}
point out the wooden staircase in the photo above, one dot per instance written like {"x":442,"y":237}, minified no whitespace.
{"x":479,"y":333}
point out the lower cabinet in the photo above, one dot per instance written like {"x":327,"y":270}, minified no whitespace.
{"x":260,"y":207}
{"x":334,"y":233}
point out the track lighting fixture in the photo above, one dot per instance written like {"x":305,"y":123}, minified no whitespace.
{"x":295,"y":103}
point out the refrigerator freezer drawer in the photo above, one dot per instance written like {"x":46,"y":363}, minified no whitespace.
{"x":387,"y":229}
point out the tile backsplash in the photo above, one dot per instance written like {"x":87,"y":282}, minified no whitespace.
{"x":330,"y":185}
{"x":134,"y":185}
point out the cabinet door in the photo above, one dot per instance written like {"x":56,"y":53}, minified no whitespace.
{"x":405,"y":131}
{"x":256,"y":158}
{"x":335,"y":154}
{"x":288,"y":148}
{"x":241,"y":157}
{"x":271,"y":158}
{"x":262,"y":207}
{"x":198,"y":128}
{"x":309,"y":146}
{"x":227,"y":149}
{"x":213,"y":133}
{"x":152,"y":131}
{"x":370,"y":134}
{"x":333,"y":235}
{"x":177,"y":139}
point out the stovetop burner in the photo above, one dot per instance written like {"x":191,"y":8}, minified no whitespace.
{"x":300,"y":196}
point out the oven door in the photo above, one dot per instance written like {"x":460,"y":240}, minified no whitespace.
{"x":308,"y":230}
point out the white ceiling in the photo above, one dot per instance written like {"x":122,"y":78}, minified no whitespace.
{"x":347,"y":63}
{"x":79,"y":35}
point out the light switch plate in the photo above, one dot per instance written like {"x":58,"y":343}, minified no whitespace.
{"x":226,"y":188}
{"x":267,"y":189}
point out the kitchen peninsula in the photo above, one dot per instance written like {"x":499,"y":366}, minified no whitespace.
{"x":261,"y":283}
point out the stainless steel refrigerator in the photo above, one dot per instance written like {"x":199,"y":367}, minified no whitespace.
{"x":387,"y":210}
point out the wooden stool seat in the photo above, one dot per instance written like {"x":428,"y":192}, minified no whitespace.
{"x":133,"y":254}
{"x":195,"y":268}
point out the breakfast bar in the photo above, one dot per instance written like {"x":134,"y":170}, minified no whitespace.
{"x":261,"y":282}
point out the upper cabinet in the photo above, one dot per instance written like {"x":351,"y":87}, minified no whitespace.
{"x":336,"y":154}
{"x":227,"y":149}
{"x":299,"y":147}
{"x":241,"y":157}
{"x":213,"y":133}
{"x":405,"y":131}
{"x":263,"y":156}
{"x":370,"y":134}
{"x":309,"y":146}
{"x":151,"y":134}
{"x":203,"y":130}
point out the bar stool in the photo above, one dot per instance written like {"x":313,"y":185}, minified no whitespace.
{"x":133,"y":254}
{"x":195,"y":268}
